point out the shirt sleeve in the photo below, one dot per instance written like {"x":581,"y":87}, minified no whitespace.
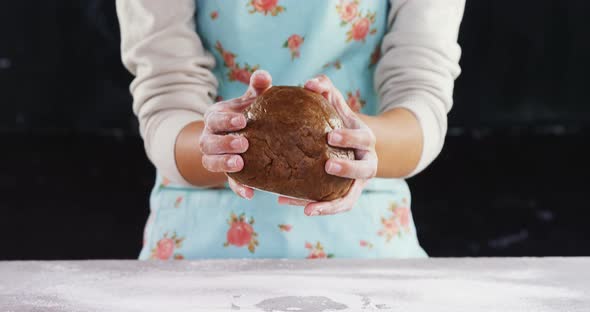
{"x":173,"y":82}
{"x":419,"y":64}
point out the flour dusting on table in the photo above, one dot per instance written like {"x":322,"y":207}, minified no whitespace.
{"x":313,"y":286}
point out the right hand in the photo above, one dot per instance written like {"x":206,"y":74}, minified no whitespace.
{"x":220,"y":150}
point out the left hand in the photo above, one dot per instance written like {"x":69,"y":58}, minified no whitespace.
{"x":356,"y":135}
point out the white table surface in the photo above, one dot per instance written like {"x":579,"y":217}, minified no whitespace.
{"x":508,"y":284}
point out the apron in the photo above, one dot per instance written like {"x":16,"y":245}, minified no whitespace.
{"x":294,"y":40}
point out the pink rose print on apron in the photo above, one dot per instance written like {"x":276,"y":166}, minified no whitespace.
{"x":285,"y":227}
{"x":265,"y":7}
{"x":236,"y":72}
{"x":360,"y":24}
{"x":241,"y":233}
{"x":354,"y":100}
{"x":293,"y":43}
{"x":166,"y":246}
{"x":317,"y":251}
{"x":394,"y":224}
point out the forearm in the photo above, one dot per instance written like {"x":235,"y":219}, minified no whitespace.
{"x":399,"y":142}
{"x":173,"y":83}
{"x":188,"y":158}
{"x":419,"y":63}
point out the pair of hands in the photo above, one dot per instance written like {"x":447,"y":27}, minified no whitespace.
{"x":220,"y":150}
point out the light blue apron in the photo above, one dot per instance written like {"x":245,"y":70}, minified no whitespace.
{"x":294,"y":40}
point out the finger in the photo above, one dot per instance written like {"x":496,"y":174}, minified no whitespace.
{"x":362,"y":139}
{"x":353,"y":169}
{"x":222,"y":163}
{"x":212,"y":144}
{"x":260,"y":81}
{"x":292,"y":201}
{"x":218,"y":122}
{"x":236,"y":104}
{"x":240,"y":189}
{"x":349,"y":117}
{"x":326,"y":208}
{"x":324,"y":86}
{"x":340,"y":205}
{"x":320,"y":84}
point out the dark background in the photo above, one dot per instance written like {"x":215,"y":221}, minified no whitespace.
{"x":511,"y":181}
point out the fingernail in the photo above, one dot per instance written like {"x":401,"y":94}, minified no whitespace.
{"x":260,"y":72}
{"x":236,"y":143}
{"x":236,"y":121}
{"x":335,"y":137}
{"x":246,"y":196}
{"x":232,"y":162}
{"x":334,"y":167}
{"x":243,"y":192}
{"x":314,"y":213}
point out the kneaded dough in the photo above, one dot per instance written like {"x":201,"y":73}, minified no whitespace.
{"x":287,"y":133}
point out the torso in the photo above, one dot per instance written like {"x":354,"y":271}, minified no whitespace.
{"x":295,"y":41}
{"x":328,"y":37}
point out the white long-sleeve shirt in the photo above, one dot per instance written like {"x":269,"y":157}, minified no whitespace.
{"x":174,"y":83}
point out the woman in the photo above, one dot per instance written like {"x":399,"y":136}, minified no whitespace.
{"x":387,"y":67}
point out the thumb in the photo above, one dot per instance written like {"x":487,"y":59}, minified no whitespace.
{"x":324,"y":86}
{"x":260,"y":81}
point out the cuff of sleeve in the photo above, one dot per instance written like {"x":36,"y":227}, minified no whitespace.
{"x":162,"y":148}
{"x":433,"y":132}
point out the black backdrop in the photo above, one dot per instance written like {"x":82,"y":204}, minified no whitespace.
{"x":511,"y":180}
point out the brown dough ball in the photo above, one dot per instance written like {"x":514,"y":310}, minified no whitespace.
{"x":287,"y":130}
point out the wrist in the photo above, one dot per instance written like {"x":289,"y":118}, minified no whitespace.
{"x":188,"y":158}
{"x":398,"y":142}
